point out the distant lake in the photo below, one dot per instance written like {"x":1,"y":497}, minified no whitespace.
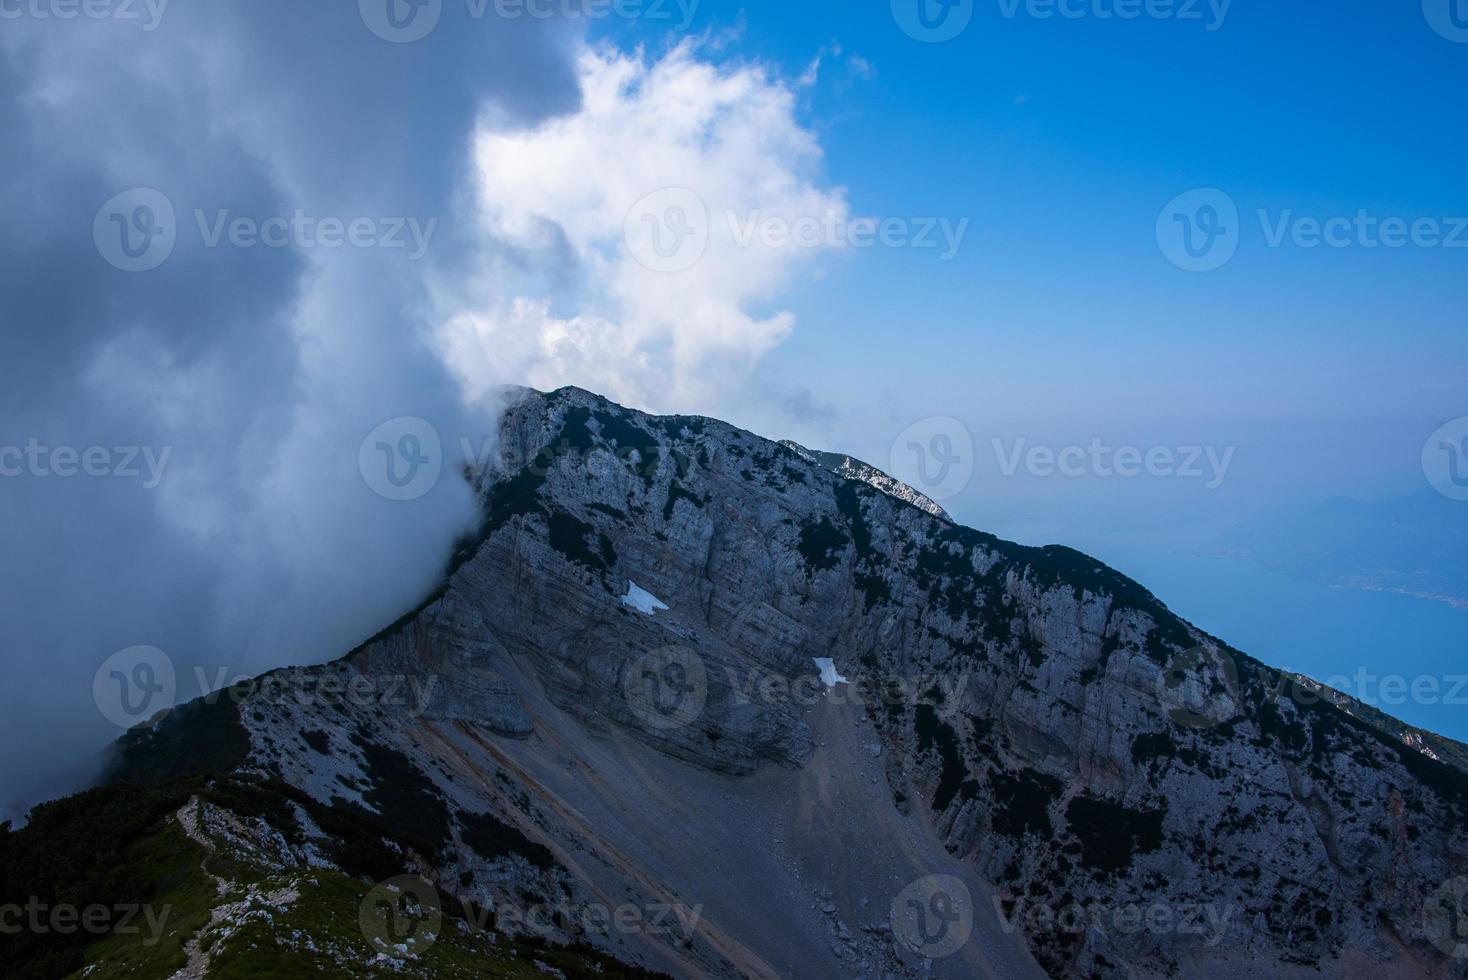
{"x":1314,"y":629}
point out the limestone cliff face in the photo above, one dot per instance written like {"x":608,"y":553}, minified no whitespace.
{"x":1036,"y":719}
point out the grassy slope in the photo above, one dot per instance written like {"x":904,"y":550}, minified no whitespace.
{"x":121,"y":844}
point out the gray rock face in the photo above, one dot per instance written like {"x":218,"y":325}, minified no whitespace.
{"x":854,"y":469}
{"x":448,"y":638}
{"x":1142,"y":799}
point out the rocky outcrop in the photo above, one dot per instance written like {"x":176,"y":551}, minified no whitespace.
{"x":852,"y":468}
{"x":1119,"y":793}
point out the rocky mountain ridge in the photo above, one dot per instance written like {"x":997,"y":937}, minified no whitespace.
{"x":1029,"y":751}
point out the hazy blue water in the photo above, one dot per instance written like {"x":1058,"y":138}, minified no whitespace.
{"x":1314,"y":629}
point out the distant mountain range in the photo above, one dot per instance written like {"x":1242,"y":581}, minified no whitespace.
{"x":695,"y":703}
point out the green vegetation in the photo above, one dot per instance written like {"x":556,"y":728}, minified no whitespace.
{"x":869,"y":578}
{"x":627,"y":435}
{"x":581,"y":543}
{"x":1022,"y":802}
{"x":676,"y":492}
{"x":1111,"y":835}
{"x":198,"y":737}
{"x":492,"y":838}
{"x":319,"y":742}
{"x":117,"y":849}
{"x":954,"y":779}
{"x":614,"y":513}
{"x":821,"y":544}
{"x":109,"y":849}
{"x":408,"y":802}
{"x":1160,"y":746}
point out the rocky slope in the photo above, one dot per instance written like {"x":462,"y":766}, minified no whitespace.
{"x":613,"y":706}
{"x":854,"y":469}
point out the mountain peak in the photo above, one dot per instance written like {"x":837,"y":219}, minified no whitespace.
{"x":837,"y":698}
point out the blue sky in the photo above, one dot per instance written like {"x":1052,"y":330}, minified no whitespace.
{"x":1061,"y":141}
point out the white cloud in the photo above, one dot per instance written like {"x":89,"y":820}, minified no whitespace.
{"x":584,"y":310}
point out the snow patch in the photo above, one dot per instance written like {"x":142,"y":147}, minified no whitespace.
{"x":642,"y":600}
{"x":829,"y":676}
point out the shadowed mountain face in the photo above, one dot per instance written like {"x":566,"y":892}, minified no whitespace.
{"x":1031,"y":767}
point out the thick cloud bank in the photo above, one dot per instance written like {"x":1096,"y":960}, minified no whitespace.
{"x":268,"y":261}
{"x":184,"y":406}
